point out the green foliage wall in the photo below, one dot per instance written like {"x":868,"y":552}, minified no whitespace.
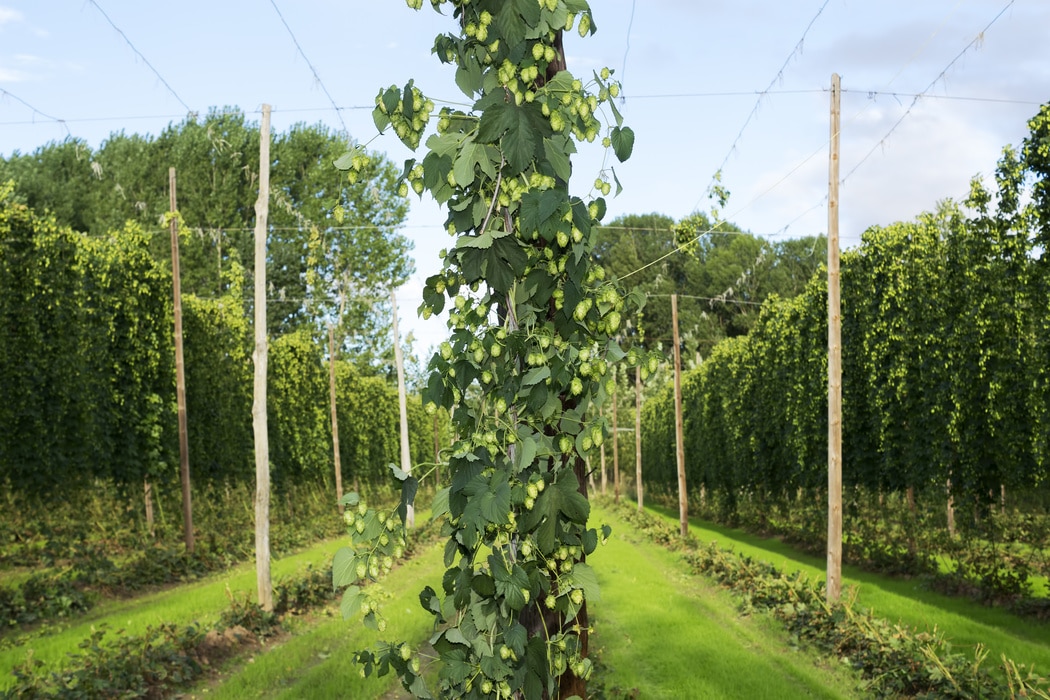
{"x":87,"y":376}
{"x":84,"y":339}
{"x":942,"y":318}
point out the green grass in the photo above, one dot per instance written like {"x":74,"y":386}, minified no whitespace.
{"x":669,"y":634}
{"x":964,"y":622}
{"x":200,"y":601}
{"x":673,"y":635}
{"x":315,"y":662}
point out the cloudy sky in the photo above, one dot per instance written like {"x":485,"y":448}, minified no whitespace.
{"x":932,"y":91}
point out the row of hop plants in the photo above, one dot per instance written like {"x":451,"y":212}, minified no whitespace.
{"x":168,"y":657}
{"x":998,"y":563}
{"x":895,"y":660}
{"x":74,"y":569}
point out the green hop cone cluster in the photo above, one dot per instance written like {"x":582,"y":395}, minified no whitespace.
{"x":406,"y":111}
{"x":355,"y":162}
{"x":377,"y":541}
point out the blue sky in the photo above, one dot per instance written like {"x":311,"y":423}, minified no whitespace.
{"x":693,"y":70}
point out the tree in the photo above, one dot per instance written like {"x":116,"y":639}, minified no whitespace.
{"x":530,"y":354}
{"x":721,"y":274}
{"x":329,"y":234}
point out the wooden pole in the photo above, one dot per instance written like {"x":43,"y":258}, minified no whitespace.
{"x":638,"y":435}
{"x":264,"y":583}
{"x":147,"y":493}
{"x":402,"y":402}
{"x":834,"y":589}
{"x":616,"y":442}
{"x":679,"y":428}
{"x":180,"y":373}
{"x":335,"y":418}
{"x":605,"y":472}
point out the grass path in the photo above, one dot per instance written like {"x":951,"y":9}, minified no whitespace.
{"x":965,"y":622}
{"x":200,"y":601}
{"x":664,"y":632}
{"x":673,"y":635}
{"x":315,"y":661}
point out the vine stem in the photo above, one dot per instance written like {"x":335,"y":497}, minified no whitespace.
{"x":495,"y":196}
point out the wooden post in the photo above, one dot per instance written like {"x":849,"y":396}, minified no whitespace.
{"x":147,"y":492}
{"x":679,"y":428}
{"x":834,"y":583}
{"x":180,"y":373}
{"x":437,"y":454}
{"x":406,"y":456}
{"x":605,"y":473}
{"x":264,"y":584}
{"x":616,"y":441}
{"x":638,"y":435}
{"x":335,"y":418}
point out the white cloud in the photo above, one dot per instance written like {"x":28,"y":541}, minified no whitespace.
{"x":8,"y":15}
{"x":8,"y":75}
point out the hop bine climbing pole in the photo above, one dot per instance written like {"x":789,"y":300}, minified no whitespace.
{"x":531,"y":354}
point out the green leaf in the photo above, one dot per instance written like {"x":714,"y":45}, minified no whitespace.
{"x":480,"y":242}
{"x":616,"y":113}
{"x":350,"y":499}
{"x":391,"y":98}
{"x":344,"y":567}
{"x":519,"y":129}
{"x":440,"y":505}
{"x":406,"y":102}
{"x":526,"y":453}
{"x":463,"y":168}
{"x":558,"y":159}
{"x":619,"y":187}
{"x":428,"y":598}
{"x":343,"y":162}
{"x":562,"y":499}
{"x":469,"y":77}
{"x":382,"y":121}
{"x":408,"y":495}
{"x":446,"y":144}
{"x":622,"y":138}
{"x":509,"y":582}
{"x":541,"y":211}
{"x":515,"y":637}
{"x":613,"y":352}
{"x":350,"y":606}
{"x":583,"y":577}
{"x":536,"y":375}
{"x":589,"y":541}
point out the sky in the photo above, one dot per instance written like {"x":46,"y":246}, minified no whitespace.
{"x":932,"y":92}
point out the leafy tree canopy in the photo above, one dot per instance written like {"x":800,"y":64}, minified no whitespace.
{"x":721,"y":274}
{"x":328,"y":235}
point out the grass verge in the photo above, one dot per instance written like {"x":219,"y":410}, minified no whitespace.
{"x":966,"y":623}
{"x":668,"y":634}
{"x":201,"y":601}
{"x":315,"y":661}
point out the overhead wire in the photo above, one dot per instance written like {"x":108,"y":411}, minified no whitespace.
{"x":139,"y":54}
{"x":761,"y":96}
{"x":973,"y":42}
{"x":824,"y":144}
{"x":310,"y":65}
{"x":742,"y":93}
{"x":34,"y":110}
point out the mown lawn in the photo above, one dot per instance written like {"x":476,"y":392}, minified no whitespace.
{"x":200,"y":601}
{"x":964,"y":622}
{"x":674,"y":635}
{"x":662,"y":631}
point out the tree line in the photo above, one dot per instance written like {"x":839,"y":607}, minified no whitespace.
{"x":86,"y":356}
{"x":945,"y":342}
